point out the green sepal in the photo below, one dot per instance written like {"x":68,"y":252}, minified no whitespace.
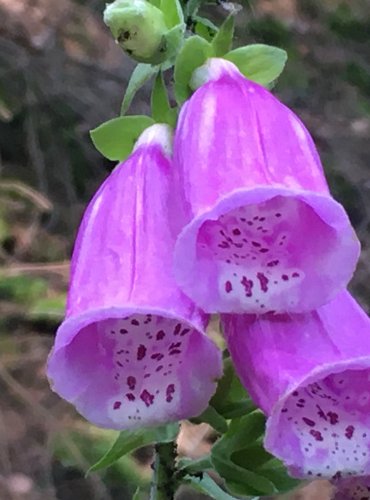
{"x":141,"y":74}
{"x":259,"y":63}
{"x":116,"y":138}
{"x":193,"y":54}
{"x":222,"y":42}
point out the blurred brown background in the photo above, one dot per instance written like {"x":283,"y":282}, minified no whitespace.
{"x":61,"y":75}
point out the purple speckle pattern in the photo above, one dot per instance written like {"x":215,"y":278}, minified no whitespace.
{"x":310,"y":374}
{"x":331,"y":421}
{"x":256,"y":252}
{"x":145,"y":361}
{"x":354,"y":488}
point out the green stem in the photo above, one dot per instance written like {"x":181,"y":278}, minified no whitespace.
{"x":164,"y":482}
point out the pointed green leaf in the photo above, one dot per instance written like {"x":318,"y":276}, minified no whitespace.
{"x":213,"y":418}
{"x":193,"y":54}
{"x":190,"y":466}
{"x":208,"y":486}
{"x":172,"y":11}
{"x":115,"y":138}
{"x":129,"y":441}
{"x":141,"y":74}
{"x":174,"y":39}
{"x":205,"y":28}
{"x":159,"y":100}
{"x":222,"y":42}
{"x":260,"y":63}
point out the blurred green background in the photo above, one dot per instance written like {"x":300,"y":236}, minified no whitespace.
{"x":61,"y":75}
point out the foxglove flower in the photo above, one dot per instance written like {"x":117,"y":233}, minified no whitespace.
{"x":353,"y":488}
{"x":310,"y":374}
{"x":263,"y":232}
{"x":132,"y":350}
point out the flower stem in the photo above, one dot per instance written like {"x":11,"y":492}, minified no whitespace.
{"x":164,"y":482}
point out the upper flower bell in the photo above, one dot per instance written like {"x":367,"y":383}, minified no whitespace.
{"x":310,"y":373}
{"x":131,"y":350}
{"x":263,"y":232}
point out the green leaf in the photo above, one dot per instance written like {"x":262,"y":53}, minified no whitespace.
{"x":223,"y":41}
{"x":129,"y":441}
{"x":231,"y":399}
{"x":174,"y":39}
{"x":208,"y":486}
{"x":190,"y":466}
{"x":161,"y":109}
{"x":141,"y":74}
{"x":205,"y":28}
{"x":247,"y":468}
{"x":242,"y":433}
{"x":193,"y":54}
{"x":213,"y":418}
{"x":172,"y":11}
{"x":260,"y":63}
{"x":115,"y":138}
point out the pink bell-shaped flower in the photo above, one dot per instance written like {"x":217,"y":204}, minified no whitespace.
{"x":132,"y":351}
{"x":310,"y":374}
{"x":263,"y":232}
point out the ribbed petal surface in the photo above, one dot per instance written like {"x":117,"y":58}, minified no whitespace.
{"x":263,"y":232}
{"x":132,"y":351}
{"x":310,"y":374}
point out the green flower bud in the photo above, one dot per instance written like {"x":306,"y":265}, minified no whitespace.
{"x":139,"y":28}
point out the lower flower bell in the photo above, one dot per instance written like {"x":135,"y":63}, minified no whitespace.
{"x":353,"y":488}
{"x":310,"y":374}
{"x":263,"y":232}
{"x":132,"y":349}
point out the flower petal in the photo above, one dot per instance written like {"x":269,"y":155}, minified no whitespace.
{"x":310,"y":374}
{"x":263,"y":232}
{"x":131,"y":350}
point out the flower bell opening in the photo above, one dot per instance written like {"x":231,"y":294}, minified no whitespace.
{"x":135,"y":369}
{"x":259,"y":257}
{"x":329,"y":422}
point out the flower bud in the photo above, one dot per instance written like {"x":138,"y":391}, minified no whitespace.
{"x":139,"y":28}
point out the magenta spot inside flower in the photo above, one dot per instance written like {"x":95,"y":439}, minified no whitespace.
{"x":147,"y":398}
{"x":160,"y":335}
{"x":248,"y":285}
{"x":333,"y":417}
{"x":308,"y":421}
{"x":169,"y":392}
{"x":263,"y":281}
{"x":177,"y":329}
{"x":317,"y":435}
{"x":141,"y":352}
{"x":131,"y":382}
{"x":349,"y":431}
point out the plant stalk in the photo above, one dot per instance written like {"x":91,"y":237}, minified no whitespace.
{"x":164,"y":483}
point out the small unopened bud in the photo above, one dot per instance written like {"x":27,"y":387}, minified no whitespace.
{"x":139,"y":28}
